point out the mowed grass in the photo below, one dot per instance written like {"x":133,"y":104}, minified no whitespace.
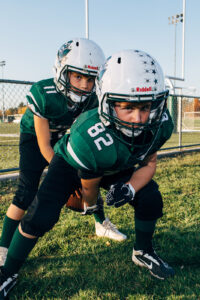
{"x":70,"y":262}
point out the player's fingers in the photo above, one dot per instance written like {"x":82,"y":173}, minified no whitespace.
{"x":78,"y":194}
{"x":110,"y":202}
{"x":120,"y":203}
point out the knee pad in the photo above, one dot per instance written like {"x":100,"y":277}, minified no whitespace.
{"x":23,"y":198}
{"x":27,"y":188}
{"x":148,"y":202}
{"x":40,"y":218}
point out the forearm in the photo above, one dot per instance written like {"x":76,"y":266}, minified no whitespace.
{"x":47,"y":152}
{"x":141,"y":177}
{"x":90,"y":191}
{"x":44,"y":137}
{"x":89,"y":198}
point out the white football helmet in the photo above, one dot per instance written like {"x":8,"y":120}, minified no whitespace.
{"x":131,"y":76}
{"x":78,"y":55}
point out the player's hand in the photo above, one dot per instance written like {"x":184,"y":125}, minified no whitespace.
{"x":120,"y":194}
{"x":89,"y":210}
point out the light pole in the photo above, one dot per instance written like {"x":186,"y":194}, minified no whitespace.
{"x":2,"y":64}
{"x":174,"y":20}
{"x":175,"y":101}
{"x":87,"y":19}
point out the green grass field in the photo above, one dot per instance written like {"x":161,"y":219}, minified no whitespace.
{"x":70,"y":262}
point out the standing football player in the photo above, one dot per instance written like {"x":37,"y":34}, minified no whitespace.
{"x":53,"y":106}
{"x":105,"y":146}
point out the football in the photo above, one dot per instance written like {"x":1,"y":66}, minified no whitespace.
{"x":75,"y":203}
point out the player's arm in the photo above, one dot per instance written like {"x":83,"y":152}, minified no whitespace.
{"x":144,"y":174}
{"x":43,"y":137}
{"x":121,"y":193}
{"x":90,"y":190}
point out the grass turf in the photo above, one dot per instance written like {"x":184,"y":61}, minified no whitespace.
{"x":70,"y":262}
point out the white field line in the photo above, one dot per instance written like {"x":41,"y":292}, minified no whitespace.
{"x":8,"y":141}
{"x":9,"y":134}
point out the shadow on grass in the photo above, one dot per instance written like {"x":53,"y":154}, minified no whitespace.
{"x":110,"y":273}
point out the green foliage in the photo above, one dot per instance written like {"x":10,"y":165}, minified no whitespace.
{"x":70,"y":262}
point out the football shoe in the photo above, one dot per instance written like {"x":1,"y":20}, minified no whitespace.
{"x":7,"y":282}
{"x":109,"y":230}
{"x":150,"y":260}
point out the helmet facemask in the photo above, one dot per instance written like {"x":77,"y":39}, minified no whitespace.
{"x":75,"y":96}
{"x":145,"y":133}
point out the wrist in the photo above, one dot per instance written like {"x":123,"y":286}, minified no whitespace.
{"x":132,"y":189}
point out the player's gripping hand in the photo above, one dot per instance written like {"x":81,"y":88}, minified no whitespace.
{"x":119,"y":194}
{"x":89,"y":210}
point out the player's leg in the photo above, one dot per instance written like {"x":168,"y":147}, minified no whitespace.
{"x":42,"y":214}
{"x":148,"y":208}
{"x":31,"y":167}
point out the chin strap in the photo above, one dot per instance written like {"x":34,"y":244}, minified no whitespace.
{"x":76,"y":98}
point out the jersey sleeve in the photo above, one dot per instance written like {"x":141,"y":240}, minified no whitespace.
{"x":167,"y":125}
{"x":37,"y":100}
{"x":165,"y":131}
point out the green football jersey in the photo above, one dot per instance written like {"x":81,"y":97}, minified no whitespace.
{"x":93,"y":148}
{"x":46,"y":102}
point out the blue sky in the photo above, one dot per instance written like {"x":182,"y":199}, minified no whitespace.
{"x":32,"y":31}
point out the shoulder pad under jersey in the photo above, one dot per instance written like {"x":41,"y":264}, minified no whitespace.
{"x":42,"y":96}
{"x":90,"y":146}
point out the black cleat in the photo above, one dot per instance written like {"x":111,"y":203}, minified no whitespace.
{"x":7,"y":282}
{"x":150,"y":260}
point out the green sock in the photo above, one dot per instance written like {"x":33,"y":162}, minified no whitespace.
{"x":144,"y":232}
{"x":8,"y":230}
{"x":99,"y":216}
{"x":18,"y":251}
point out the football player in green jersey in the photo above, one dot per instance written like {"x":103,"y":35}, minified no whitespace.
{"x":53,"y":106}
{"x":113,"y":147}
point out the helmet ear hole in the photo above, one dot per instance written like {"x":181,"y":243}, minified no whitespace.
{"x":77,"y":44}
{"x":119,"y":60}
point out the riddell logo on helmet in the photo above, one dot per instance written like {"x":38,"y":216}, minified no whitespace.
{"x":144,"y":89}
{"x":91,"y":67}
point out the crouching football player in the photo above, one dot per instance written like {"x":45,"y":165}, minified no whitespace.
{"x":54,"y":104}
{"x":105,"y":146}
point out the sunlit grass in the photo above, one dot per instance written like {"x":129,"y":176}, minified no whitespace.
{"x":70,"y":262}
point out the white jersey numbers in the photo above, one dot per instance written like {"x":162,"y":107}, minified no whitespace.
{"x":95,"y":130}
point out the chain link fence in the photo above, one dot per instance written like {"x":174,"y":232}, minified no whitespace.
{"x":185,"y":112}
{"x":13,"y":104}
